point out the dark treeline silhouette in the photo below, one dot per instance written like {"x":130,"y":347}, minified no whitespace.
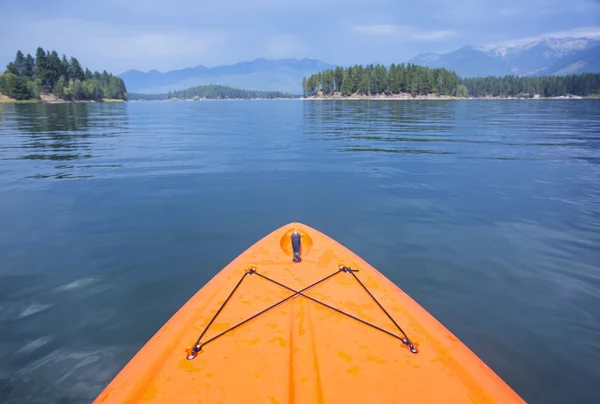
{"x":420,"y":80}
{"x":28,"y":78}
{"x":211,"y":91}
{"x":146,"y":97}
{"x":215,"y":91}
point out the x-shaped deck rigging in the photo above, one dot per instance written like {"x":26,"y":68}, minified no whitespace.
{"x":343,"y":269}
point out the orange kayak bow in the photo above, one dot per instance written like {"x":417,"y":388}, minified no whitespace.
{"x":298,"y":318}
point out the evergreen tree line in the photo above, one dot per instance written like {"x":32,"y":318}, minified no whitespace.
{"x":377,"y":79}
{"x":549,"y":86}
{"x":27,"y":78}
{"x":215,"y":91}
{"x":420,"y":80}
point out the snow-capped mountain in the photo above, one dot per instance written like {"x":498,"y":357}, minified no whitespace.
{"x":547,"y":56}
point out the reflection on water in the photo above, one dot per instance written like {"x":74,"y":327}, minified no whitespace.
{"x":450,"y":127}
{"x":113,"y":215}
{"x":102,"y":134}
{"x":61,"y":132}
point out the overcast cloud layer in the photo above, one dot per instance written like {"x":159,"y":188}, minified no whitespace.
{"x":118,"y":35}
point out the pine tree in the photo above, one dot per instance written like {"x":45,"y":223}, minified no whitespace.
{"x":53,"y":70}
{"x":394,"y":79}
{"x":346,"y":84}
{"x":353,"y":79}
{"x":304,"y":86}
{"x":364,"y":77}
{"x":403,"y":77}
{"x":413,"y":81}
{"x":328,"y":81}
{"x":380,"y":85}
{"x":339,"y":78}
{"x":65,"y":67}
{"x":12,"y":69}
{"x":431,"y":82}
{"x":29,"y":66}
{"x":20,"y":64}
{"x":41,"y":62}
{"x":439,"y":82}
{"x":75,"y":70}
{"x":311,"y":85}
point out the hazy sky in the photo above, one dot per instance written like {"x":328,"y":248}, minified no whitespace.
{"x":118,"y":35}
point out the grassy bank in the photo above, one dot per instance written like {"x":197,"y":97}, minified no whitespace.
{"x":6,"y":100}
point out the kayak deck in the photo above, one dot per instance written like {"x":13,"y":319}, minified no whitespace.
{"x":353,"y":336}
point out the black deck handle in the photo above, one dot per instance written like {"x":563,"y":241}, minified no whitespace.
{"x":296,"y":246}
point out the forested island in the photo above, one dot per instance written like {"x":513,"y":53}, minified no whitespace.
{"x":213,"y":92}
{"x":413,"y":80}
{"x":28,"y":78}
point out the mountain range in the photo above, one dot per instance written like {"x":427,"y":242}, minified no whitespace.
{"x":546,"y":57}
{"x":549,"y":56}
{"x":260,"y":74}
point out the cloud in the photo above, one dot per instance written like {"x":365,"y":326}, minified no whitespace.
{"x":402,"y":32}
{"x":116,"y":47}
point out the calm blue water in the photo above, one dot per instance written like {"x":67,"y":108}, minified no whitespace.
{"x":113,"y":215}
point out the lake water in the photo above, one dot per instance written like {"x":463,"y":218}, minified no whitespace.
{"x":113,"y":215}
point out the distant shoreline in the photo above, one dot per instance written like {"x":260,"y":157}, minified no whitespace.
{"x":6,"y":100}
{"x":408,"y":97}
{"x":46,"y":99}
{"x":216,"y":99}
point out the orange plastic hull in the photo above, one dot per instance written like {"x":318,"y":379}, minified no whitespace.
{"x":302,"y":351}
